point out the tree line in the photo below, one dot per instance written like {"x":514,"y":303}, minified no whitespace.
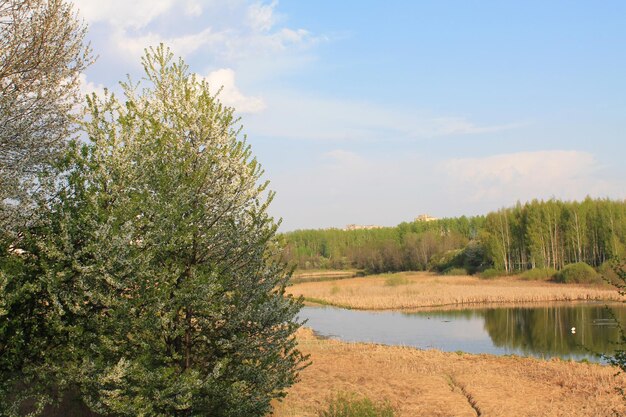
{"x":408,"y":246}
{"x":552,"y":234}
{"x":536,"y":234}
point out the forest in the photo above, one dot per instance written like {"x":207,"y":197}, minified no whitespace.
{"x":536,"y":234}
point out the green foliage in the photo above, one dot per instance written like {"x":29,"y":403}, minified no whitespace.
{"x":455,"y":272}
{"x":537,"y":234}
{"x":446,"y":260}
{"x":350,"y":405}
{"x":409,"y":246}
{"x":491,"y":273}
{"x":154,"y":284}
{"x":553,"y":233}
{"x":474,"y":257}
{"x":42,"y":56}
{"x":28,"y":327}
{"x":578,"y":273}
{"x":547,"y":328}
{"x":618,"y":358}
{"x":612,"y":272}
{"x":539,"y":274}
{"x":396,"y":280}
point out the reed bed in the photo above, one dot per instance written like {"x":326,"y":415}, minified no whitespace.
{"x":322,"y":275}
{"x":434,"y":383}
{"x":415,"y":290}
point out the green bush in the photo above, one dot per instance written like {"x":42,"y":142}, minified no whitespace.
{"x":579,"y":273}
{"x":470,"y":259}
{"x":492,"y":273}
{"x":610,"y":272}
{"x":442,"y":261}
{"x":395,"y":280}
{"x":350,"y":405}
{"x":539,"y":273}
{"x":455,"y":271}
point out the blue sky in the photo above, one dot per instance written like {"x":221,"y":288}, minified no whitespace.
{"x":374,"y":112}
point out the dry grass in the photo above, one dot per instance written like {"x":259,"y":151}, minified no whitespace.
{"x":418,"y":290}
{"x":322,"y":275}
{"x":434,"y":383}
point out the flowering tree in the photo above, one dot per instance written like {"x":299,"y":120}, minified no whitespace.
{"x":183,"y":256}
{"x":159,"y":270}
{"x":42,"y":55}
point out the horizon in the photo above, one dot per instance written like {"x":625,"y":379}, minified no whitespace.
{"x":367,"y":113}
{"x":435,"y":218}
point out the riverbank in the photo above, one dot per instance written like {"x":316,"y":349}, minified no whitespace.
{"x":415,"y":290}
{"x":322,"y":275}
{"x":434,"y":383}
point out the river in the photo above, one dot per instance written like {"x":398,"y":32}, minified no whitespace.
{"x":569,"y":331}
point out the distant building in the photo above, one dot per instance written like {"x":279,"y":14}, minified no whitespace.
{"x":362,"y":227}
{"x":425,"y":218}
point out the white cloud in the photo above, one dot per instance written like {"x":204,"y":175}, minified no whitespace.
{"x":346,"y":186}
{"x":261,"y":17}
{"x":89,"y":87}
{"x":121,"y":13}
{"x":345,"y":158}
{"x":231,"y":32}
{"x":525,"y":175}
{"x":193,"y":8}
{"x":230,"y":94}
{"x":298,"y":116}
{"x":134,"y":46}
{"x":458,"y":126}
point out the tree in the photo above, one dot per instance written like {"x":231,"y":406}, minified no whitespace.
{"x":618,"y":357}
{"x":163,"y":261}
{"x":42,"y":55}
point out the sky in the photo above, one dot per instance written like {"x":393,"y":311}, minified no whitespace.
{"x":370,"y":112}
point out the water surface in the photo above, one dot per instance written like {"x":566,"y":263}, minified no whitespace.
{"x":544,"y":331}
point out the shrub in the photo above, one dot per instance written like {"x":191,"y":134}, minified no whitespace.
{"x":610,"y":273}
{"x":579,"y":273}
{"x":539,"y":273}
{"x":442,"y":261}
{"x":455,"y":271}
{"x":395,"y":280}
{"x":492,"y":273}
{"x":350,"y":405}
{"x":471,"y":259}
{"x":474,"y":257}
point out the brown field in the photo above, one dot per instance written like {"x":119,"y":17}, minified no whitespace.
{"x":434,"y":383}
{"x":414,"y":290}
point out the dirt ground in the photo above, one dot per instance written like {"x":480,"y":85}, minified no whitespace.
{"x":435,"y":383}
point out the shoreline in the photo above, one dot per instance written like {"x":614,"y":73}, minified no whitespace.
{"x":471,"y":306}
{"x":419,"y":291}
{"x":436,"y":383}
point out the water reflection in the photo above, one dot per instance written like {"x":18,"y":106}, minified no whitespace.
{"x":543,"y":331}
{"x":548,"y":329}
